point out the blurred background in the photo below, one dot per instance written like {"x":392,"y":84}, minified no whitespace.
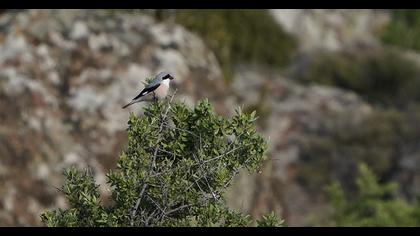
{"x":334,"y":89}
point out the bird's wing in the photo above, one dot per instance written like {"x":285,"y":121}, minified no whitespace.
{"x":153,"y":83}
{"x":147,"y":90}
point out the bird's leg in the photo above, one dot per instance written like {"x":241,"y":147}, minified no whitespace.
{"x":154,"y":97}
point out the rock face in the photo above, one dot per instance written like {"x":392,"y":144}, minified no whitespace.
{"x":64,"y":75}
{"x":332,"y":29}
{"x":296,"y":112}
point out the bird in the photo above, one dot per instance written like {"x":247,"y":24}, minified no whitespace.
{"x":157,"y":89}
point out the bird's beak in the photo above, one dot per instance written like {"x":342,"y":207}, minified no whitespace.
{"x":171,"y":78}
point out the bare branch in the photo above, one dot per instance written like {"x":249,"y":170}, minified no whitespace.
{"x":157,"y":205}
{"x":162,"y":150}
{"x":178,"y":209}
{"x":207,"y":182}
{"x":176,"y":128}
{"x":222,"y":155}
{"x":149,"y":217}
{"x":161,"y":128}
{"x":153,"y":164}
{"x":133,"y":213}
{"x":234,"y":174}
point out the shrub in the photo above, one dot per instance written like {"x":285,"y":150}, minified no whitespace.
{"x":174,"y":171}
{"x":334,"y":151}
{"x":381,"y":140}
{"x":373,"y":205}
{"x":249,"y":36}
{"x":382,"y":77}
{"x":403,"y":29}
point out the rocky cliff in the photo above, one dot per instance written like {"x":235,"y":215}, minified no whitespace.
{"x":64,"y":75}
{"x":332,"y":29}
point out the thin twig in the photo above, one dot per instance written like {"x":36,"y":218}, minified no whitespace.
{"x":133,"y":213}
{"x":178,"y":208}
{"x":236,"y":138}
{"x":231,"y":177}
{"x":149,"y":217}
{"x":176,"y":128}
{"x":234,"y":173}
{"x":207,"y":182}
{"x":162,"y":150}
{"x":196,"y":182}
{"x":222,"y":155}
{"x":161,"y":128}
{"x":208,"y":173}
{"x":151,"y":199}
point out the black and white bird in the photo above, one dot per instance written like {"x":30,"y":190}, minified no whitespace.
{"x":157,"y":89}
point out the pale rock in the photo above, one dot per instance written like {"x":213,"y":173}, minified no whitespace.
{"x":99,"y":41}
{"x":82,"y":87}
{"x":60,"y":42}
{"x":9,"y":198}
{"x":72,"y":158}
{"x":79,"y":31}
{"x":43,"y":171}
{"x":332,"y":29}
{"x":15,"y":46}
{"x":173,"y":62}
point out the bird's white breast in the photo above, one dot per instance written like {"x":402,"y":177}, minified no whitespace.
{"x":162,"y":90}
{"x":166,"y":82}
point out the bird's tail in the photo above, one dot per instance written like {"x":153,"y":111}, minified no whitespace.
{"x":131,"y":103}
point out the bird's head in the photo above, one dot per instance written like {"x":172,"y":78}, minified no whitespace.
{"x":164,"y":76}
{"x":167,"y":76}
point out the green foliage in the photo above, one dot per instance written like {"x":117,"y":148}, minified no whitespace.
{"x":373,"y":205}
{"x":269,"y":220}
{"x":383,"y":77}
{"x":343,"y":144}
{"x":379,"y":140}
{"x":404,"y":29}
{"x":83,"y":196}
{"x":174,"y":171}
{"x":250,"y":36}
